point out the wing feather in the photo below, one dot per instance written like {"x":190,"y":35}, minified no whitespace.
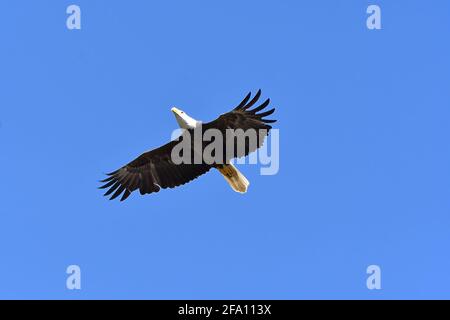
{"x":151,"y":171}
{"x":242,"y":117}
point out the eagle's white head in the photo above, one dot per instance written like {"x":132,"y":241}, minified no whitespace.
{"x":184,"y":121}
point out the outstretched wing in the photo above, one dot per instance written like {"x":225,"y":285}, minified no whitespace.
{"x":241,"y":117}
{"x":150,"y":172}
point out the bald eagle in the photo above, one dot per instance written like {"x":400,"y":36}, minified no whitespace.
{"x":156,"y":169}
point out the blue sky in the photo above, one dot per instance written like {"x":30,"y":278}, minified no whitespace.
{"x":364,"y":152}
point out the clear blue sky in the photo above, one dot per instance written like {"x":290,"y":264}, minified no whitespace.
{"x":364,"y":158}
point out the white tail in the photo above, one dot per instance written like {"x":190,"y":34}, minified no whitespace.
{"x":235,"y":179}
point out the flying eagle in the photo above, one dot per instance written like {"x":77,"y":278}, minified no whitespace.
{"x":156,"y":169}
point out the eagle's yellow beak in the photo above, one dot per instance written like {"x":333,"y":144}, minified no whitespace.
{"x":176,"y":111}
{"x":184,"y":121}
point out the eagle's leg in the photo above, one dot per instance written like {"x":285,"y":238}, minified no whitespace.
{"x":234,"y":177}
